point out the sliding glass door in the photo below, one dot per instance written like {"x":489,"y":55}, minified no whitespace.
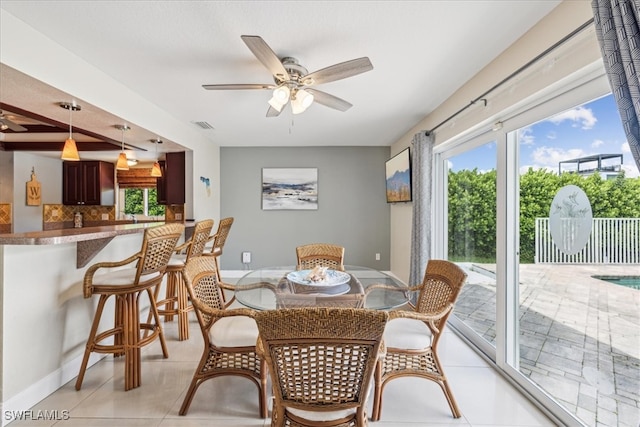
{"x":579,"y":231}
{"x":544,"y":215}
{"x":471,"y":234}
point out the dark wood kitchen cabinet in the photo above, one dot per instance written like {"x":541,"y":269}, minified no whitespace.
{"x":171,"y":185}
{"x":88,"y":183}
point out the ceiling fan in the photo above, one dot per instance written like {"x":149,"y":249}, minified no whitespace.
{"x":293,"y":83}
{"x":7,"y":123}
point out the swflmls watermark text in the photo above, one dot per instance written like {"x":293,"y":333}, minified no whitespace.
{"x":38,"y":415}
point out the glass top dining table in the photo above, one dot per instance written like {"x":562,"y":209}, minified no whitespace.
{"x":270,"y":288}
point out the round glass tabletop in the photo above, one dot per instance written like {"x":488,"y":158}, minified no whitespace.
{"x":269,"y":288}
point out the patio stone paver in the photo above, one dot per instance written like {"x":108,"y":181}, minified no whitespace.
{"x":579,"y":336}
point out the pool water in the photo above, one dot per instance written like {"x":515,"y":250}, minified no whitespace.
{"x":632,"y":282}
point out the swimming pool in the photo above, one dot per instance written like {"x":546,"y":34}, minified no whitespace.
{"x":632,"y":282}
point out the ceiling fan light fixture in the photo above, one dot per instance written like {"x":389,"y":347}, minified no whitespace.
{"x":274,"y":103}
{"x":301,"y":101}
{"x":70,"y":149}
{"x":280,"y":97}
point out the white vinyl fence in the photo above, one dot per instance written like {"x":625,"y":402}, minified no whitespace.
{"x":612,"y":241}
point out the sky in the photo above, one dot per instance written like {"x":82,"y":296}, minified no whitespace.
{"x":588,"y":129}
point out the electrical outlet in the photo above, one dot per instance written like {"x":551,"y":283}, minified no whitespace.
{"x":246,"y":257}
{"x":178,"y":217}
{"x":377,"y":257}
{"x":105,"y":217}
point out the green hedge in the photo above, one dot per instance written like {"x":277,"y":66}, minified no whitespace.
{"x":472,"y":207}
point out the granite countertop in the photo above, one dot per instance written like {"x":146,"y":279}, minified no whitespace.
{"x":70,"y":235}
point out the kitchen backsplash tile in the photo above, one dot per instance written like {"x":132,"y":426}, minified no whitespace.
{"x":5,"y":218}
{"x":52,"y":214}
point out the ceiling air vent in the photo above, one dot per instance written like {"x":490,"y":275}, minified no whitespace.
{"x":204,"y":125}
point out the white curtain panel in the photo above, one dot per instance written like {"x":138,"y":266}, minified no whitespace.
{"x":421,"y":160}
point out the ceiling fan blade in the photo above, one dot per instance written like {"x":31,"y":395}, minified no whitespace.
{"x":272,"y":112}
{"x":329,"y":100}
{"x":239,"y":86}
{"x":338,"y":71}
{"x":11,"y":125}
{"x":266,"y":55}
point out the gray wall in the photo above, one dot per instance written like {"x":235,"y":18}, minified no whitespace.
{"x":352,"y":209}
{"x":16,"y":172}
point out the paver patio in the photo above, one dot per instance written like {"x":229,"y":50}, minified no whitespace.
{"x":579,"y":336}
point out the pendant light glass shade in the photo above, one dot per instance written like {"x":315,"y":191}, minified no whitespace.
{"x":70,"y":150}
{"x":155,"y":170}
{"x":122,"y":164}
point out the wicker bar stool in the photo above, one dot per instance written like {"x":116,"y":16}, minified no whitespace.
{"x":127,"y":285}
{"x":219,"y":239}
{"x":217,"y":242}
{"x":176,"y":301}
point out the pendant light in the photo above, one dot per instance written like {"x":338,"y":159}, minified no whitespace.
{"x":155,"y":170}
{"x":122,"y":164}
{"x":70,"y":150}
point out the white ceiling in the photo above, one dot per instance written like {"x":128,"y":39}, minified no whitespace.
{"x":421,"y":51}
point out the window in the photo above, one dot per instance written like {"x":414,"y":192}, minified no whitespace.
{"x":141,"y":201}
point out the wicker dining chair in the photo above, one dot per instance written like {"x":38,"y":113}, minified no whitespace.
{"x":293,"y":295}
{"x":321,"y":362}
{"x":230,"y":335}
{"x":412,"y":336}
{"x":126,"y":285}
{"x":322,"y":254}
{"x":176,"y":301}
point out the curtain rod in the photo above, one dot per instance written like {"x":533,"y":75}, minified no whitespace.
{"x":515,"y":73}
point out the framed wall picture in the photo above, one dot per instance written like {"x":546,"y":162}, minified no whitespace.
{"x":398,"y":177}
{"x":289,"y":189}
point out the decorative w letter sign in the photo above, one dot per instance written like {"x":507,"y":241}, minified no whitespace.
{"x":570,"y":219}
{"x":34,"y":193}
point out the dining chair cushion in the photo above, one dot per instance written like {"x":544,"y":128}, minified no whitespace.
{"x":123,"y":276}
{"x":408,"y":334}
{"x":234,"y":331}
{"x":321,"y":416}
{"x":177,"y":260}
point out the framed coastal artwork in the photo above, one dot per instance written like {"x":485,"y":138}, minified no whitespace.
{"x":289,"y":189}
{"x":398,"y":177}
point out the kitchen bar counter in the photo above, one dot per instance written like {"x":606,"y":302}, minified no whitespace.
{"x":45,"y":317}
{"x":70,"y":235}
{"x":89,"y":240}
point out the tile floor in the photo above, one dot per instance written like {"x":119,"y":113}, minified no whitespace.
{"x":485,"y":398}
